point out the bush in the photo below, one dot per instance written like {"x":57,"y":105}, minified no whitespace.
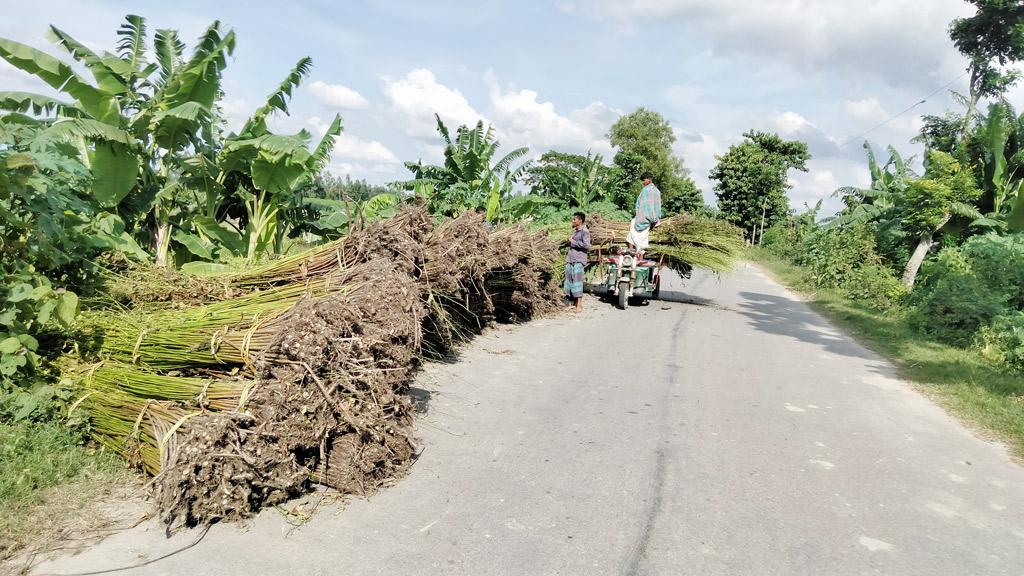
{"x":1003,"y":340}
{"x":835,"y":253}
{"x":781,"y":240}
{"x":998,"y":262}
{"x":952,"y":302}
{"x":966,"y":288}
{"x":876,"y":286}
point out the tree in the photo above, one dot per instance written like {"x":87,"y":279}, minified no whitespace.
{"x":644,"y":139}
{"x":470,"y":176}
{"x":572,"y":179}
{"x":943,"y":133}
{"x":929,"y":203}
{"x":751,"y":179}
{"x":993,"y":37}
{"x":137,"y":119}
{"x":149,"y":131}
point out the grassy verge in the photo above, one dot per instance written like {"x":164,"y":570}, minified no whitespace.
{"x":47,"y":479}
{"x":985,"y":396}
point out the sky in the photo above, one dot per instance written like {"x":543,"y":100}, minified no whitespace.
{"x":557,"y":74}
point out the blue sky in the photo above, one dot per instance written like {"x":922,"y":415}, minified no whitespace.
{"x":556,"y":74}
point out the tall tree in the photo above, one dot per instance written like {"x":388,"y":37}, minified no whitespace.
{"x":919,"y":207}
{"x":472,"y":176}
{"x":751,"y":179}
{"x":572,"y":179}
{"x":992,"y":38}
{"x":646,"y":136}
{"x":148,"y":132}
{"x":929,"y":203}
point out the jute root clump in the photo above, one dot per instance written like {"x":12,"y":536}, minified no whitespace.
{"x":304,"y":377}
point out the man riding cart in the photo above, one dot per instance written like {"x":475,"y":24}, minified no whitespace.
{"x":629,"y":275}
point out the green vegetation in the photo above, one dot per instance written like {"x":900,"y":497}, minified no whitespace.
{"x":148,"y":253}
{"x":751,"y":180}
{"x":644,"y":139}
{"x":983,"y":393}
{"x":37,"y":458}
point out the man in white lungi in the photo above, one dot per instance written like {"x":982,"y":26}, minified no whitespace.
{"x":646,"y":216}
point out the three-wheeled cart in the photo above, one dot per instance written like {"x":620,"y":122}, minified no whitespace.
{"x":627,"y":277}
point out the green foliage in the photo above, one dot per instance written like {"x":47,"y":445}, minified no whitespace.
{"x":1003,"y":340}
{"x":833,"y":255}
{"x":574,"y":180}
{"x":999,"y":262}
{"x":952,"y":302}
{"x":561,"y":214}
{"x":471,"y":174}
{"x":928,"y":203}
{"x":151,"y":135}
{"x":751,"y":179}
{"x":50,"y":228}
{"x":992,"y":38}
{"x":785,"y":239}
{"x":875,"y":285}
{"x":644,"y":139}
{"x":36,"y":456}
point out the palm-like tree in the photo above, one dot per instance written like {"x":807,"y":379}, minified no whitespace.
{"x":149,"y":131}
{"x":470,"y":175}
{"x":919,"y":206}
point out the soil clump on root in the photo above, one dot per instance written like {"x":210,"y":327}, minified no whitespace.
{"x":310,"y":368}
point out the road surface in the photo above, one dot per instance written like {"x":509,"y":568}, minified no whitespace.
{"x":730,"y":431}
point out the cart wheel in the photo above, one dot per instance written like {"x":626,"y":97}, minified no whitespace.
{"x":623,"y":294}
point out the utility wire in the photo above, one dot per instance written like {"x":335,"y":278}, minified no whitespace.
{"x":904,"y":111}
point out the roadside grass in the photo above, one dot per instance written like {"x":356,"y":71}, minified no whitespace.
{"x":48,"y":481}
{"x":988,"y":398}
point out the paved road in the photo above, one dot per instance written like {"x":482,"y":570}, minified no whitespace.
{"x":730,"y":432}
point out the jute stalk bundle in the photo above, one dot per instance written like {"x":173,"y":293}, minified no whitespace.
{"x":231,"y":331}
{"x":685,"y":241}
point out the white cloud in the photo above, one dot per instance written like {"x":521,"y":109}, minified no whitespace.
{"x":821,"y":181}
{"x":525,"y":121}
{"x":418,"y":96}
{"x":698,"y":152}
{"x":871,"y":116}
{"x":793,"y":126}
{"x":350,"y":149}
{"x":898,"y":40}
{"x":865,"y":110}
{"x":338,"y":96}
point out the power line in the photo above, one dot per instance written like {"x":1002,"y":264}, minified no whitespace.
{"x":904,"y":111}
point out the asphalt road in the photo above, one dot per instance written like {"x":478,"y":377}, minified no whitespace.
{"x":731,"y":431}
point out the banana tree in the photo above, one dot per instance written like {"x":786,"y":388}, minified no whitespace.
{"x":928,"y":204}
{"x":917,"y":207}
{"x":1002,"y":157}
{"x":137,"y":122}
{"x":267,"y":169}
{"x":470,"y":176}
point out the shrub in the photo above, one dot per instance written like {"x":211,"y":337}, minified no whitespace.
{"x":952,"y":302}
{"x":833,"y":254}
{"x":998,"y":262}
{"x":876,"y":286}
{"x":1003,"y":340}
{"x":781,"y":240}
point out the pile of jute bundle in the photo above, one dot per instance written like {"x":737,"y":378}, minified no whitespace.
{"x":297,"y":372}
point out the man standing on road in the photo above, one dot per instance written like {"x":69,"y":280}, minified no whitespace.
{"x":647,"y":215}
{"x":576,"y":260}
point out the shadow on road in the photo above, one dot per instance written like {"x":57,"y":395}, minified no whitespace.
{"x":780,"y":315}
{"x":420,"y":399}
{"x":683,"y":298}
